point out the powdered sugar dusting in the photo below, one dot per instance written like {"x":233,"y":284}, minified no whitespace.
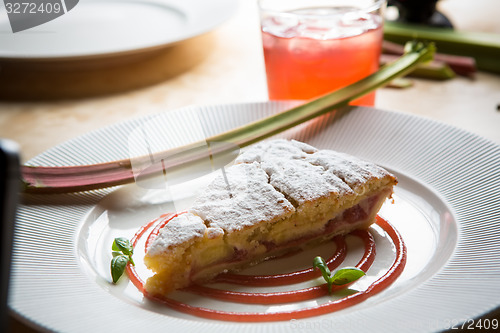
{"x":181,"y":229}
{"x":265,"y":184}
{"x":276,"y":149}
{"x":290,"y":172}
{"x":353,"y":171}
{"x":241,"y":198}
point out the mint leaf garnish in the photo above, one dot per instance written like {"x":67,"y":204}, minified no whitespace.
{"x":346,"y":275}
{"x":339,"y":277}
{"x":123,"y":245}
{"x":122,"y":251}
{"x":118,"y":265}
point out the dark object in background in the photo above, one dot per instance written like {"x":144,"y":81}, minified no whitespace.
{"x":420,"y":12}
{"x":9,"y":192}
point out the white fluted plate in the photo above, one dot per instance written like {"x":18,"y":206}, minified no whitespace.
{"x":446,"y":207}
{"x":103,"y":28}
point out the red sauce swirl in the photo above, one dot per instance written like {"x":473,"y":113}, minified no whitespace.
{"x":364,"y":263}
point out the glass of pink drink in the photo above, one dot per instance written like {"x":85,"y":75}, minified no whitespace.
{"x":313,"y":47}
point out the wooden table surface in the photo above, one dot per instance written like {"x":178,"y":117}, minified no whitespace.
{"x":45,"y":104}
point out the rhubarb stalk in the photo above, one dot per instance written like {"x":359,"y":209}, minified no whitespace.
{"x":39,"y":179}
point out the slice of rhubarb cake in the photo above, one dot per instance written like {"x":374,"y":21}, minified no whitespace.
{"x":278,"y":196}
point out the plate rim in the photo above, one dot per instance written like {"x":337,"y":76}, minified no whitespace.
{"x":230,"y":7}
{"x":392,"y":113}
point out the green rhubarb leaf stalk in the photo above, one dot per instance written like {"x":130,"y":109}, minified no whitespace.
{"x":483,"y":47}
{"x":415,"y":53}
{"x":84,"y":177}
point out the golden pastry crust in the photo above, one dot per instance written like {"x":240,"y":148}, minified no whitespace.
{"x":279,"y":195}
